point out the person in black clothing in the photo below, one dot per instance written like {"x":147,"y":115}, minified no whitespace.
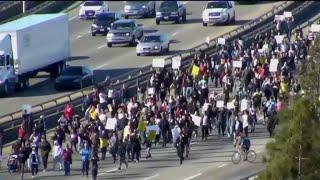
{"x":136,"y":147}
{"x":181,"y":144}
{"x":222,"y":120}
{"x":22,"y":158}
{"x":45,"y":149}
{"x":164,"y":127}
{"x":94,"y":170}
{"x":122,"y":154}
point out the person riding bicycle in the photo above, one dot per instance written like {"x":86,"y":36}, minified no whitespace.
{"x":245,"y":145}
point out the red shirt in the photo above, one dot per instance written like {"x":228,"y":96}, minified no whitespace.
{"x":22,"y":133}
{"x":68,"y":112}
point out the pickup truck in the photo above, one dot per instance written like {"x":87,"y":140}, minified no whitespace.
{"x":219,"y":12}
{"x":171,"y":11}
{"x":124,"y":32}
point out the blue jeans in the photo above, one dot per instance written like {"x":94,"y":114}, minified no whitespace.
{"x":66,"y":168}
{"x":85,"y":167}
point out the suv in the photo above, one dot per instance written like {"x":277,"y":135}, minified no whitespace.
{"x":90,"y":9}
{"x":103,"y":21}
{"x":219,"y":12}
{"x":140,"y":8}
{"x":124,"y":31}
{"x":171,"y":11}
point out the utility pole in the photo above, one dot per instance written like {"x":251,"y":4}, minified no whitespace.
{"x":24,"y":6}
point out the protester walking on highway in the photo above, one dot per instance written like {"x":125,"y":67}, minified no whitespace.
{"x":94,"y":171}
{"x":45,"y":149}
{"x":22,"y":158}
{"x":85,"y":157}
{"x":136,"y":147}
{"x":57,"y":155}
{"x":34,"y":162}
{"x":122,"y":154}
{"x":114,"y":141}
{"x":67,"y":159}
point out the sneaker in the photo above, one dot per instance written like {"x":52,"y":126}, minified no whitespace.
{"x":32,"y":177}
{"x":137,"y":161}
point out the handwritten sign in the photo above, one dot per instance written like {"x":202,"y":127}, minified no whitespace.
{"x":279,"y":38}
{"x":287,"y":14}
{"x":153,"y":128}
{"x":315,"y":28}
{"x":244,"y":105}
{"x":151,"y":91}
{"x":196,"y":120}
{"x":230,"y":105}
{"x":222,"y":41}
{"x":273,"y":65}
{"x":279,"y":17}
{"x":111,"y":123}
{"x":176,"y":62}
{"x":220,"y":104}
{"x":110,"y":93}
{"x":158,"y":62}
{"x":261,"y":51}
{"x":126,"y":131}
{"x":195,"y":70}
{"x":237,"y":64}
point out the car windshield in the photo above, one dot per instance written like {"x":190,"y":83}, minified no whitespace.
{"x":93,"y":3}
{"x":72,"y":71}
{"x":106,"y":17}
{"x":150,"y":39}
{"x":217,"y":4}
{"x":2,"y":60}
{"x":122,"y":26}
{"x":136,"y":3}
{"x":168,"y":6}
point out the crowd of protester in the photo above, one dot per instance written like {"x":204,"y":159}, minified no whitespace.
{"x":169,"y":100}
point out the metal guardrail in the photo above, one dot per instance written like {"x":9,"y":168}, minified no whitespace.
{"x":8,"y":4}
{"x":55,"y":107}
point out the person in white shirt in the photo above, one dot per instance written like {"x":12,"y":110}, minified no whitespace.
{"x":57,"y":155}
{"x":245,"y":122}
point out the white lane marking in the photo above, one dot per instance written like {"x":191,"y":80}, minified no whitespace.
{"x":192,"y":177}
{"x":222,"y":165}
{"x":102,"y":46}
{"x":156,"y":175}
{"x":175,"y":33}
{"x":193,"y":143}
{"x":109,"y":171}
{"x":79,"y":36}
{"x":101,"y":66}
{"x":72,"y":18}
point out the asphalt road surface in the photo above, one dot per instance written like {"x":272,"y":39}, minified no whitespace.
{"x":115,"y":61}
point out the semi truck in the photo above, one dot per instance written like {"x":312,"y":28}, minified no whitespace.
{"x":34,"y":43}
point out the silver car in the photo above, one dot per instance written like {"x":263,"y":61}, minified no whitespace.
{"x":153,"y":43}
{"x":140,"y":8}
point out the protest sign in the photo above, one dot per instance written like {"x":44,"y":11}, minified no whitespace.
{"x":151,"y":91}
{"x":176,"y":62}
{"x":195,"y":70}
{"x":126,"y":132}
{"x":175,"y":134}
{"x":287,"y":14}
{"x":279,"y":17}
{"x":237,"y":64}
{"x":142,"y":126}
{"x":261,"y":51}
{"x":26,"y":109}
{"x":158,"y":62}
{"x":196,"y":120}
{"x":110,"y":93}
{"x":111,"y":123}
{"x":230,"y":105}
{"x":220,"y":104}
{"x":279,"y":38}
{"x":222,"y":41}
{"x":244,"y":105}
{"x":151,"y":135}
{"x":153,"y":128}
{"x":315,"y":28}
{"x":273,"y":65}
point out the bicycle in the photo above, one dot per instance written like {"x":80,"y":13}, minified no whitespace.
{"x":250,"y":156}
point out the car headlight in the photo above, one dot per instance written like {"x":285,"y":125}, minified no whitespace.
{"x":127,"y":34}
{"x":109,"y":35}
{"x":155,"y":47}
{"x":77,"y":80}
{"x":158,"y":13}
{"x":224,"y":13}
{"x":144,"y":7}
{"x":94,"y":25}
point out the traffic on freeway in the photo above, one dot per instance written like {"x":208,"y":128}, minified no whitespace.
{"x":93,"y":52}
{"x":218,"y":106}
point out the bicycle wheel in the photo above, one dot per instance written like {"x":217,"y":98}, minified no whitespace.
{"x":251,"y":156}
{"x":236,"y":157}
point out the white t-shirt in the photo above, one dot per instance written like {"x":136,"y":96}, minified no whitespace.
{"x":102,"y":98}
{"x":245,"y":122}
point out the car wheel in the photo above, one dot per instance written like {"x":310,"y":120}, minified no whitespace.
{"x":138,"y":54}
{"x":133,"y":41}
{"x":154,"y":11}
{"x":6,"y":89}
{"x":126,"y":17}
{"x":228,"y":20}
{"x":204,"y":24}
{"x":234,"y":18}
{"x":109,"y":44}
{"x":168,"y":48}
{"x":184,"y":16}
{"x":93,"y":34}
{"x":157,"y":21}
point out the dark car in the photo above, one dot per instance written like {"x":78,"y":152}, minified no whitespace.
{"x":74,"y":77}
{"x":171,"y":11}
{"x":103,"y":21}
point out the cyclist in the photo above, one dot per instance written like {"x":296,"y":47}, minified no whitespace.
{"x":245,"y":145}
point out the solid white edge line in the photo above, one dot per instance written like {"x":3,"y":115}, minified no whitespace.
{"x":192,"y":177}
{"x":102,"y":46}
{"x":222,"y":165}
{"x":151,"y":177}
{"x":109,"y":171}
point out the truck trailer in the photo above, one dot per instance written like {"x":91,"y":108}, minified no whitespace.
{"x":31,"y":44}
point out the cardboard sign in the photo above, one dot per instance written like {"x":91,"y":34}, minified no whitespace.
{"x":26,"y":109}
{"x":111,"y":123}
{"x":315,"y":28}
{"x":279,"y":38}
{"x":287,"y":14}
{"x":208,"y":40}
{"x":110,"y":93}
{"x":273,"y":65}
{"x":279,"y":17}
{"x":153,"y":128}
{"x":158,"y":62}
{"x":103,"y":117}
{"x":244,"y":105}
{"x":176,"y":62}
{"x":195,"y":70}
{"x":175,"y":134}
{"x":151,"y":135}
{"x":230,"y":105}
{"x":222,"y":41}
{"x":151,"y":91}
{"x":237,"y":64}
{"x":220,"y":104}
{"x":196,"y":120}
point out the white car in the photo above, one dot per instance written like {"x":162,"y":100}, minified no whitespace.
{"x":89,"y":9}
{"x":153,"y":43}
{"x":219,"y":12}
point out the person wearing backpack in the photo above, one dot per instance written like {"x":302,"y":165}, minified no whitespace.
{"x":67,"y":159}
{"x":34,"y":161}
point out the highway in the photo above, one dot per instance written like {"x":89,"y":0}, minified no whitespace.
{"x":92,"y":51}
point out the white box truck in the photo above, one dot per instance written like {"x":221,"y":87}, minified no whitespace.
{"x":31,"y":44}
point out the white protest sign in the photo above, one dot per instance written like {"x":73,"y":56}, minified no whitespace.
{"x":315,"y":28}
{"x":208,"y":40}
{"x":261,"y":51}
{"x":153,"y":128}
{"x":287,"y":14}
{"x":230,"y":105}
{"x":237,"y":64}
{"x":196,"y":120}
{"x":158,"y":62}
{"x":110,"y":93}
{"x":176,"y":62}
{"x":220,"y":104}
{"x":111,"y":123}
{"x":175,"y":134}
{"x":103,"y":117}
{"x":273,"y":65}
{"x":222,"y":41}
{"x":244,"y":105}
{"x":26,"y":109}
{"x":279,"y":17}
{"x":279,"y":38}
{"x":150,"y":90}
